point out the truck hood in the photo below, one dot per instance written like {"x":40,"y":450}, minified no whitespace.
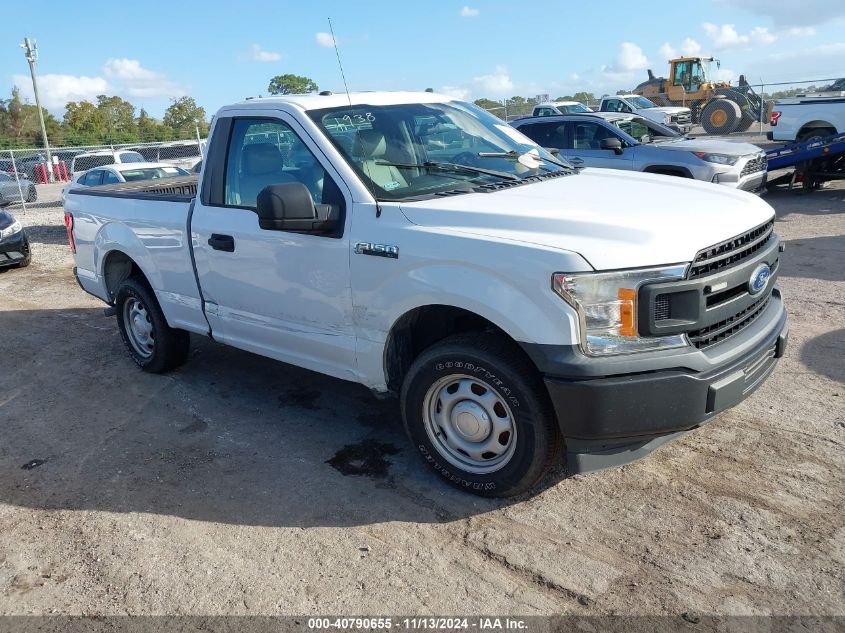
{"x":613,"y":219}
{"x":707,"y":144}
{"x":668,"y":109}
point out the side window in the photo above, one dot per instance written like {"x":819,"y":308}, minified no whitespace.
{"x":590,"y":135}
{"x":4,"y":177}
{"x":264,"y":152}
{"x":624,"y":107}
{"x":682,"y":74}
{"x":93,"y":178}
{"x":546,"y":134}
{"x":545,"y":112}
{"x":110,"y":178}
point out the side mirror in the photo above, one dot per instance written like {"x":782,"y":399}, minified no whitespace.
{"x":612,"y":144}
{"x":289,"y":207}
{"x":554,"y":151}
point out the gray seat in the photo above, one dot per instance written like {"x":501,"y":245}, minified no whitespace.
{"x":261,"y":165}
{"x":371,"y":146}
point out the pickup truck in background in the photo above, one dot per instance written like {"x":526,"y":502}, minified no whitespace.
{"x":804,"y":119}
{"x":553,"y":108}
{"x":418,"y":245}
{"x":675,"y":117}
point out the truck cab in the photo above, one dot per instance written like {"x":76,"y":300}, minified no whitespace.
{"x":676,"y":118}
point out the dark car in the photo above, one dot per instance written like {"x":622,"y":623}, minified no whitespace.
{"x":14,"y":246}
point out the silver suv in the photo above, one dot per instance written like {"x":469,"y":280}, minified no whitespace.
{"x":626,"y":141}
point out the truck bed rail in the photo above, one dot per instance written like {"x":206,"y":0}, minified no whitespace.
{"x":177,"y":189}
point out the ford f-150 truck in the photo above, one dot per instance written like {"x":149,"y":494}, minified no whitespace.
{"x":802,"y":119}
{"x":418,"y":245}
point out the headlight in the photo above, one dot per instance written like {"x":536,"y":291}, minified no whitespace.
{"x":721,"y":159}
{"x":667,"y":119}
{"x":607,"y":309}
{"x":11,"y":230}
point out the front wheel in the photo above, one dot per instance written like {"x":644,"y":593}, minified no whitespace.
{"x":479,"y":416}
{"x":153,"y":345}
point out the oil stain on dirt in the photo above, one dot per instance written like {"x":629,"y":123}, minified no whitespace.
{"x":366,"y":458}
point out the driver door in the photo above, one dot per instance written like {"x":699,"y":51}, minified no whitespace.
{"x":583,"y":146}
{"x":280,"y":294}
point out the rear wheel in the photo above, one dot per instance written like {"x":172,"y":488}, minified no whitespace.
{"x":31,"y":194}
{"x":152,"y":344}
{"x":479,"y":416}
{"x":815,"y":134}
{"x":720,"y":116}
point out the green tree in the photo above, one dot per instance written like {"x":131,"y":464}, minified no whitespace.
{"x":118,"y":116}
{"x":19,"y":124}
{"x":291,"y":84}
{"x":183,"y":114}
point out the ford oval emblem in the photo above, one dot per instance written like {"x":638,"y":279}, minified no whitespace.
{"x":759,"y":278}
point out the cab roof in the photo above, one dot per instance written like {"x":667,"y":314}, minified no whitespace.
{"x":315,"y":101}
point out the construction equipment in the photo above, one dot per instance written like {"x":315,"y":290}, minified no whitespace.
{"x":719,"y":107}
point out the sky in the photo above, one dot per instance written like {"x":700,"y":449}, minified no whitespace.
{"x":220,"y":52}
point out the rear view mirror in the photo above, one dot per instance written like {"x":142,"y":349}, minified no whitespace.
{"x":554,"y":151}
{"x":289,"y":207}
{"x":612,"y":144}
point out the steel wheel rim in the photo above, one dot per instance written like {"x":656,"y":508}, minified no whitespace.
{"x":139,"y":327}
{"x":469,"y":424}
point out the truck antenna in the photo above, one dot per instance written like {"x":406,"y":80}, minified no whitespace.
{"x":351,"y":112}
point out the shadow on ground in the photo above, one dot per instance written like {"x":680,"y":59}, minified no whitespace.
{"x":823,"y":354}
{"x":230,"y":437}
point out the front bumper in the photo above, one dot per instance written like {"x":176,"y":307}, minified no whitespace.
{"x":680,"y":128}
{"x":615,"y":419}
{"x":14,"y":250}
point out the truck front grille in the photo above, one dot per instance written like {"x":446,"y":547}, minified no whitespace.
{"x":712,"y":334}
{"x":760,"y":163}
{"x":681,"y":119}
{"x":731,"y":252}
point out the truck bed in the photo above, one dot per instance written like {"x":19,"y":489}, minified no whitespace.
{"x":181,"y":189}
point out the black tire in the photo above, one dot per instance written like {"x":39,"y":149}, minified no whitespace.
{"x":488,"y":362}
{"x":817,"y":133}
{"x":168,"y":348}
{"x":720,"y":116}
{"x":32,"y":194}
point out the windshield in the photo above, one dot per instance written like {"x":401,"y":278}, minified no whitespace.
{"x":641,"y":102}
{"x":150,"y":173}
{"x":643,"y":130}
{"x":572,"y":108}
{"x":408,"y":151}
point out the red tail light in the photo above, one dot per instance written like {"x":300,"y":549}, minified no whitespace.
{"x":69,"y":229}
{"x":773,"y":118}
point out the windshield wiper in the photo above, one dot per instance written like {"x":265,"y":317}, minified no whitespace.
{"x":513,"y":154}
{"x":450,"y":167}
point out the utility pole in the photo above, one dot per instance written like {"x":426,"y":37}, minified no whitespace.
{"x":31,"y":53}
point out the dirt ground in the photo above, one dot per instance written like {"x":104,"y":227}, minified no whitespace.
{"x":238,"y":485}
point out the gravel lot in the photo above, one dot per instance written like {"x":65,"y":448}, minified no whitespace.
{"x":234,"y":485}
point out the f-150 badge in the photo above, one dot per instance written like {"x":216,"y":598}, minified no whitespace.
{"x":379,"y":250}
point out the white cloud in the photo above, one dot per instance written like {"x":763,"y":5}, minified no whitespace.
{"x":258,"y":54}
{"x":56,"y":90}
{"x":325,"y":39}
{"x":667,"y":51}
{"x":801,"y":31}
{"x":823,"y":50}
{"x":726,"y":36}
{"x":456,"y":91}
{"x":496,"y":84}
{"x":690,"y":47}
{"x":468,"y":12}
{"x":630,"y":57}
{"x":137,"y":81}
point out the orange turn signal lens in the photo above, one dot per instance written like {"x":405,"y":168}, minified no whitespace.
{"x":627,"y":312}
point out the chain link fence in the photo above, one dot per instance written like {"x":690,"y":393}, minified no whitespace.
{"x":23,"y":171}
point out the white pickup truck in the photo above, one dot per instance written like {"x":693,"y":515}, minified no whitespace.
{"x":417,"y":245}
{"x":676,"y":117}
{"x":803,"y":119}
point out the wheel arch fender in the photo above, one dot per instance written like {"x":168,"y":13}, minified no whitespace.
{"x":115,"y":240}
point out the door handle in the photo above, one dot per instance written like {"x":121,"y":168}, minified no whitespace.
{"x":222,"y":242}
